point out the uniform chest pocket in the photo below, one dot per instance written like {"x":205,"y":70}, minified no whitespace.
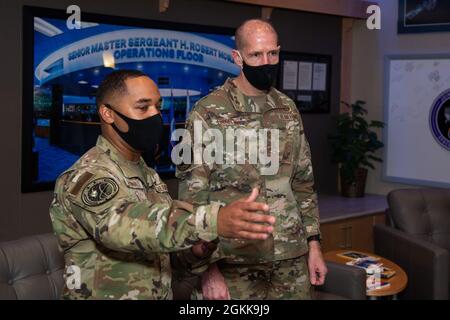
{"x":242,"y":177}
{"x":284,"y":133}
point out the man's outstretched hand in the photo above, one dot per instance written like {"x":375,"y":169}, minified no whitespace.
{"x":240,"y":219}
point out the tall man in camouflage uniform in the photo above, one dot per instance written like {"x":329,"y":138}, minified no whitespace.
{"x":113,"y":216}
{"x":286,"y":264}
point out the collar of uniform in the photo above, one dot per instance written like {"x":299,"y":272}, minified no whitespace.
{"x":238,"y":98}
{"x":129,"y":168}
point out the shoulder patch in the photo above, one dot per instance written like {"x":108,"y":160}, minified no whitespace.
{"x":99,"y":191}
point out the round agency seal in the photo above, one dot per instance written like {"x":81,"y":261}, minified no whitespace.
{"x":440,"y":119}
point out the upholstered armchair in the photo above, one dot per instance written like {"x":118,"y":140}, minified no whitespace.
{"x":417,"y":238}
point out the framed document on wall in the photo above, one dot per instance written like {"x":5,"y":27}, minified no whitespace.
{"x":417,"y":114}
{"x":306,"y":79}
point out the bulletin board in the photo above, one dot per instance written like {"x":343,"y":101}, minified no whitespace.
{"x":306,"y":79}
{"x":417,"y":116}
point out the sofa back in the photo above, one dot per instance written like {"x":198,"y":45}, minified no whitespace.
{"x":31,"y":268}
{"x":424,"y":213}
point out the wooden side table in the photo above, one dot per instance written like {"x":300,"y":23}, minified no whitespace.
{"x":397,"y":283}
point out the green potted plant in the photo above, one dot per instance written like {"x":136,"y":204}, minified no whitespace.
{"x":354,"y":145}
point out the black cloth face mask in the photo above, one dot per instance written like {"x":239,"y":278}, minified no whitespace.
{"x":261,"y":77}
{"x":143,"y":135}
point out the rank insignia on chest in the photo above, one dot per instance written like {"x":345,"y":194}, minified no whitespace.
{"x":233,"y":121}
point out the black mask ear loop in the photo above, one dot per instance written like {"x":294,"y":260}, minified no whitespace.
{"x":111,"y":108}
{"x":242,"y":59}
{"x":118,"y":113}
{"x":108,"y":106}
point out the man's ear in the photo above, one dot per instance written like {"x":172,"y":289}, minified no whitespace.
{"x":105,"y":114}
{"x":237,"y":57}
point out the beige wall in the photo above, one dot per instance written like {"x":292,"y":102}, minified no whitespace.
{"x":369,"y":50}
{"x":24,"y":214}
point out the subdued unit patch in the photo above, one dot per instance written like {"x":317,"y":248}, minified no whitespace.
{"x":99,"y":191}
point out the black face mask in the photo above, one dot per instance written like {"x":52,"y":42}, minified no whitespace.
{"x":261,"y":77}
{"x":143,"y":135}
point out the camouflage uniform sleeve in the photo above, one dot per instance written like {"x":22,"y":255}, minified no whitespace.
{"x":303,"y":187}
{"x":100,"y":202}
{"x":194,"y":178}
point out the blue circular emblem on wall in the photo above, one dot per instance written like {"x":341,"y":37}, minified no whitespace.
{"x":440,"y":119}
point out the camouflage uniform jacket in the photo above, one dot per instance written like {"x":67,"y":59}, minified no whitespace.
{"x":289,"y":192}
{"x":116,"y":223}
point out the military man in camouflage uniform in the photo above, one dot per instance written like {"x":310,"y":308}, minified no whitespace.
{"x":286,"y":264}
{"x":113,"y":216}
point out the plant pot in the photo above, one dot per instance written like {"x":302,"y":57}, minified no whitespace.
{"x":357,"y":188}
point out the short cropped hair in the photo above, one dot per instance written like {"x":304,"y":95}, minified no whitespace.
{"x":114,"y":84}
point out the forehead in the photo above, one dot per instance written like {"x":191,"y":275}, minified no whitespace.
{"x":260,"y":40}
{"x":142,"y":87}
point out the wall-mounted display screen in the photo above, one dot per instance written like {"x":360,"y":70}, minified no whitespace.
{"x":63,"y":68}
